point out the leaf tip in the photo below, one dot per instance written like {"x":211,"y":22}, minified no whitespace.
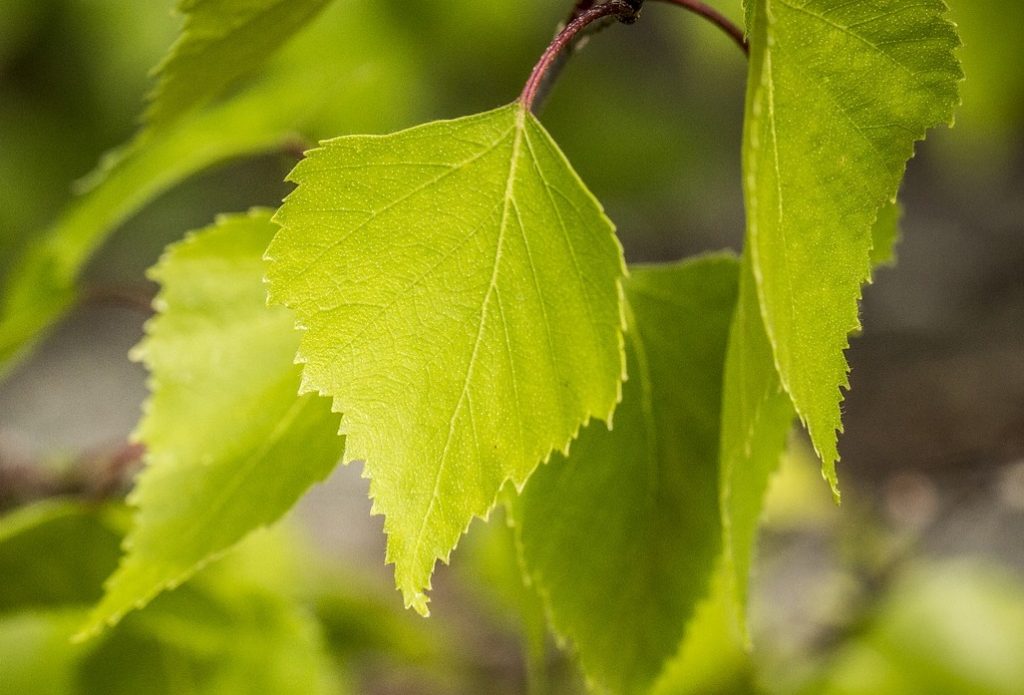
{"x":418,"y":601}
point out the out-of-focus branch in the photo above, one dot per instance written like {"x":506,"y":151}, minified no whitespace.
{"x":135,"y":297}
{"x":96,"y":475}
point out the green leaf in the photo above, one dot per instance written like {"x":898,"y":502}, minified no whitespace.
{"x":34,"y":577}
{"x":211,"y":640}
{"x":38,"y":657}
{"x":756,"y":416}
{"x":222,"y":633}
{"x":230,"y":447}
{"x":954,"y":627}
{"x":220,"y":41}
{"x":838,"y":93}
{"x":712,"y":658}
{"x":41,"y":287}
{"x":625,"y":531}
{"x":300,"y":92}
{"x":459,"y":291}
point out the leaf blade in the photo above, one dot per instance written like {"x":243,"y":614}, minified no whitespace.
{"x":220,"y":41}
{"x":638,"y":504}
{"x":756,"y":417}
{"x":838,"y":94}
{"x":296,"y":93}
{"x":433,"y":292}
{"x":221,"y":428}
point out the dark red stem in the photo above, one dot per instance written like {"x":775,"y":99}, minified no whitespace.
{"x":716,"y":18}
{"x":586,"y":17}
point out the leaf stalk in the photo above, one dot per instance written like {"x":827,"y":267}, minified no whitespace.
{"x":715,"y":17}
{"x":584,"y":17}
{"x":588,"y":15}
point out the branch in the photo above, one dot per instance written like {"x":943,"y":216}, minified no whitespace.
{"x":716,"y":18}
{"x":585,"y":14}
{"x":97,"y":475}
{"x":134,"y":297}
{"x":563,"y":58}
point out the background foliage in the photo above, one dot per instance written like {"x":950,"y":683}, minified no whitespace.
{"x":914,"y":584}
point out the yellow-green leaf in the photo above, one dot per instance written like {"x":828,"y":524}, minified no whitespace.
{"x":299,"y":91}
{"x":220,"y":41}
{"x":230,"y":445}
{"x":838,"y":93}
{"x":459,"y":292}
{"x":756,"y":416}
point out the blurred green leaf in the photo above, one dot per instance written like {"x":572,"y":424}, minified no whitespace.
{"x":230,"y":446}
{"x":951,"y":627}
{"x":221,"y":633}
{"x":988,"y":132}
{"x":220,"y":41}
{"x":194,"y":642}
{"x":37,"y":655}
{"x":322,"y":83}
{"x":635,"y":507}
{"x":71,"y":77}
{"x":18,"y":19}
{"x":34,"y":576}
{"x":358,"y":625}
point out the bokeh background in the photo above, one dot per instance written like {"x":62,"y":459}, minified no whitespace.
{"x":930,"y":538}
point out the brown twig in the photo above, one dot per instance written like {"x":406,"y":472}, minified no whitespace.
{"x":590,"y":16}
{"x":97,"y":475}
{"x":563,"y":58}
{"x":716,"y":18}
{"x":548,"y":66}
{"x":136,"y":298}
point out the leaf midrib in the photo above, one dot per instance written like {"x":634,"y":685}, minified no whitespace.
{"x":508,"y":201}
